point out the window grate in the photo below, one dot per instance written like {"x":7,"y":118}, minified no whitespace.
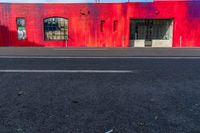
{"x":56,"y":29}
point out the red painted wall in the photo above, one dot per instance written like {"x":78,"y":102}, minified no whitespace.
{"x":85,"y":19}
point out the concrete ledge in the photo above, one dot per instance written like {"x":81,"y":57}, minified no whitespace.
{"x":139,"y":43}
{"x":162,"y":43}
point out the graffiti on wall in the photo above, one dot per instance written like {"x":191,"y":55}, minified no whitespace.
{"x":21,"y":30}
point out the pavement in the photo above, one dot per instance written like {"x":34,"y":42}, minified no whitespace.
{"x":81,"y":91}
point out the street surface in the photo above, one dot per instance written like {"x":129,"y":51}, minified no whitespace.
{"x":78,"y":92}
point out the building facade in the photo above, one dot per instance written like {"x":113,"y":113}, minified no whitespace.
{"x":132,"y":24}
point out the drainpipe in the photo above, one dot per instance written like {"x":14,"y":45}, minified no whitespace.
{"x":123,"y":41}
{"x":180,"y":41}
{"x":66,"y":43}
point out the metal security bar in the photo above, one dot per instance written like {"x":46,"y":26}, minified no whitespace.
{"x":56,"y":29}
{"x":150,"y":29}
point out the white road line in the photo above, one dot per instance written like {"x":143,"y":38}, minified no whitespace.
{"x":67,"y":71}
{"x":63,"y":57}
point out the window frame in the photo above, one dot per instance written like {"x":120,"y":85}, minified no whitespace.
{"x":58,"y":17}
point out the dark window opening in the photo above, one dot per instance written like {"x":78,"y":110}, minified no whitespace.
{"x":115,"y":25}
{"x":150,"y":29}
{"x":102,"y":25}
{"x":21,"y":29}
{"x":56,"y":29}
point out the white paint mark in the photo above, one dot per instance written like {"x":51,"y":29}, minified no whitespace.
{"x":68,"y":71}
{"x":110,"y":131}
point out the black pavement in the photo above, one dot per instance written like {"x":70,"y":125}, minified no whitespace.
{"x":114,"y":95}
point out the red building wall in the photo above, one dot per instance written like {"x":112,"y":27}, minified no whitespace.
{"x":85,"y":20}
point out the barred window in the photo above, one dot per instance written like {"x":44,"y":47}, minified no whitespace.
{"x":153,"y":29}
{"x":56,"y":29}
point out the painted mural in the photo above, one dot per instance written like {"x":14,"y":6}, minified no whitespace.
{"x":100,"y":24}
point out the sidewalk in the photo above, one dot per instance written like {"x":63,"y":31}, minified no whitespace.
{"x":99,"y":52}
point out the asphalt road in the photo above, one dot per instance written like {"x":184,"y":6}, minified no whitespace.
{"x":99,"y":95}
